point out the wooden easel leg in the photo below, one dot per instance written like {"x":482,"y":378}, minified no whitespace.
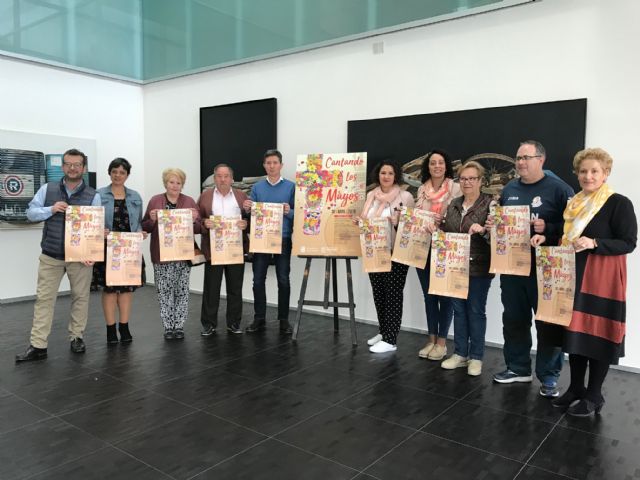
{"x":303,"y":291}
{"x":352,"y":305}
{"x":336,"y":323}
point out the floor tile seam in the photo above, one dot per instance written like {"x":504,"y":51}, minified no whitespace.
{"x":496,"y":409}
{"x":130,"y":455}
{"x":388,"y":452}
{"x":30,"y":424}
{"x":380,"y":419}
{"x":236,"y":424}
{"x":67,"y":462}
{"x":299,"y":422}
{"x":128,"y":437}
{"x":317,"y":455}
{"x":568,"y":477}
{"x":63,"y":379}
{"x":356,"y":393}
{"x":576,"y":429}
{"x":28,"y":402}
{"x":455,"y":402}
{"x":422,"y":390}
{"x":308,"y":397}
{"x":539,"y":446}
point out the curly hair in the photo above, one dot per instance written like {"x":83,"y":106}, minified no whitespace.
{"x":426,"y":175}
{"x":397,"y":173}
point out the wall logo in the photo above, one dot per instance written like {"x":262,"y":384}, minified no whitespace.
{"x":13,"y":186}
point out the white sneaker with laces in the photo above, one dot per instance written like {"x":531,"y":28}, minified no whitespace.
{"x":382,"y":347}
{"x":454,"y":361}
{"x":374,"y":340}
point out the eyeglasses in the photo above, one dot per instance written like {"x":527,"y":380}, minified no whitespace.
{"x":468,"y":179}
{"x":73,"y":165}
{"x":526,"y":157}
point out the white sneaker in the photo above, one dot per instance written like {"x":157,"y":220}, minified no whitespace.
{"x":382,"y":347}
{"x":438,"y":352}
{"x":475,"y":367}
{"x":454,"y":361}
{"x":374,"y":340}
{"x":426,"y":350}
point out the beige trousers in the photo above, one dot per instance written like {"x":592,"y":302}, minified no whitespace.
{"x":50,"y":273}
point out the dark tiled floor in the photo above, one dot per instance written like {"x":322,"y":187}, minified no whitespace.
{"x":260,"y":406}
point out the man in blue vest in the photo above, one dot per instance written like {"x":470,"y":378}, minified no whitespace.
{"x":49,"y":205}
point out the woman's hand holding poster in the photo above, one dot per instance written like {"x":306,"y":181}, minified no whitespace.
{"x":374,"y":242}
{"x":84,"y":234}
{"x":124,"y":259}
{"x":175,"y":229}
{"x":226,"y":240}
{"x":510,"y":235}
{"x":266,"y":228}
{"x":449,"y":275}
{"x":556,"y":274}
{"x":413,"y":238}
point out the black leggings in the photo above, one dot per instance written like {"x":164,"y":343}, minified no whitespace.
{"x":597,"y":373}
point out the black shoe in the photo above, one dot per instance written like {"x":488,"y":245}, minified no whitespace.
{"x":234,"y":329}
{"x":112,"y":335}
{"x":178,"y":334}
{"x":32,"y":353}
{"x":168,"y":334}
{"x":125,"y":334}
{"x":256,"y":326}
{"x":285,"y":327}
{"x":207,"y":332}
{"x":567,"y":399}
{"x":77,"y":345}
{"x":585,"y":408}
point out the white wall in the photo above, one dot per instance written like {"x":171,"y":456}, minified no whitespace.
{"x":45,"y":100}
{"x":551,"y":50}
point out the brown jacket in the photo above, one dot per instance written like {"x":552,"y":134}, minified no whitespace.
{"x":204,"y":206}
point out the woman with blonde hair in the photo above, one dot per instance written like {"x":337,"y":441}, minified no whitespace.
{"x":171,"y":278}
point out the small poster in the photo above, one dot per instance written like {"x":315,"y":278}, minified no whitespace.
{"x":124,"y":259}
{"x":266,"y":228}
{"x":175,"y":229}
{"x":375,"y":245}
{"x":556,"y":274}
{"x":226,"y":240}
{"x":510,"y":236}
{"x":413,"y":240}
{"x":449,"y":273}
{"x":84,"y":234}
{"x":330,"y":191}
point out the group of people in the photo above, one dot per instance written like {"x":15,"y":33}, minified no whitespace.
{"x":598,"y":223}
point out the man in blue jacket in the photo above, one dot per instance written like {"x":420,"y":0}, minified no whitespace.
{"x":273,"y":189}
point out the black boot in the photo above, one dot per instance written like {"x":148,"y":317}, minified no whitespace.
{"x":112,"y":336}
{"x":125,"y":335}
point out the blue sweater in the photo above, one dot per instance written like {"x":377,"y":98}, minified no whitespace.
{"x":282,"y":192}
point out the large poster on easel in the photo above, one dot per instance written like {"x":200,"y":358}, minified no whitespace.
{"x":330,"y":191}
{"x":510,"y":236}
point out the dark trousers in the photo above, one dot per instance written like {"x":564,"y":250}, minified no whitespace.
{"x":519,"y":298}
{"x":388,"y":297}
{"x":283,"y":267}
{"x":234,"y":276}
{"x":439,"y":309}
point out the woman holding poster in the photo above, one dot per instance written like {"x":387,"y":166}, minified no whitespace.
{"x":467,"y":214}
{"x":601,"y":225}
{"x":122,"y":213}
{"x":171,"y":277}
{"x":385,"y":201}
{"x":434,"y":195}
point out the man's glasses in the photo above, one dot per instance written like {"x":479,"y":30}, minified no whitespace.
{"x":526,"y":157}
{"x":73,"y":165}
{"x":468,"y":179}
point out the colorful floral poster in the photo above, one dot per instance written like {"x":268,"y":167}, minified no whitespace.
{"x":175,"y":229}
{"x":124,"y":259}
{"x":84,"y":234}
{"x":226,"y":240}
{"x":413,"y":239}
{"x":330,"y":191}
{"x":375,"y":245}
{"x":510,"y":240}
{"x":556,"y":274}
{"x":449,"y":275}
{"x":265,"y":235}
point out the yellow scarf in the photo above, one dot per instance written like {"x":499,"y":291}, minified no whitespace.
{"x":580,"y":211}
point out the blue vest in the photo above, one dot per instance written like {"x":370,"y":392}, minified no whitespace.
{"x":53,"y":233}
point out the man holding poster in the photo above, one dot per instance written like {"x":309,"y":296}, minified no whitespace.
{"x":546,"y":197}
{"x":226,"y":202}
{"x":273,"y":189}
{"x":49,"y":205}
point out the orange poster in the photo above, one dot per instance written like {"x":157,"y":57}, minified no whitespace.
{"x":375,"y":245}
{"x":124,"y":259}
{"x":510,"y":236}
{"x":556,"y":275}
{"x":226,"y":240}
{"x":330,"y":191}
{"x":175,"y":229}
{"x":84,"y":234}
{"x":449,"y":275}
{"x":413,"y":239}
{"x":265,"y":235}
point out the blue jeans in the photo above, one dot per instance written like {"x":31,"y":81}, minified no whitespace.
{"x":283,"y":267}
{"x":470,"y":319}
{"x":439,"y":309}
{"x":519,"y":297}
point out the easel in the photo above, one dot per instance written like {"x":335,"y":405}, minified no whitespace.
{"x":330,"y":265}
